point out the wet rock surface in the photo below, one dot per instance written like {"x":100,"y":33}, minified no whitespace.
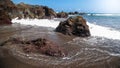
{"x":74,"y":26}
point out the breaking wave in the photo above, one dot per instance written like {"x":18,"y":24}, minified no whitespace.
{"x":106,"y":32}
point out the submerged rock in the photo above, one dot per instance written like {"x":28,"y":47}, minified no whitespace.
{"x":40,"y":45}
{"x":74,"y":26}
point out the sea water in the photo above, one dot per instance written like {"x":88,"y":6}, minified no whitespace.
{"x":104,"y":25}
{"x":107,"y":20}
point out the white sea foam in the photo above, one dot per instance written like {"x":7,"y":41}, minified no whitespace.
{"x":38,"y":22}
{"x":95,"y":30}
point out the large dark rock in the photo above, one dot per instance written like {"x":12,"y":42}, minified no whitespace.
{"x":74,"y":26}
{"x":62,"y":15}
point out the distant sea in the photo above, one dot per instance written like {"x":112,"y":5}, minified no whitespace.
{"x":103,"y":19}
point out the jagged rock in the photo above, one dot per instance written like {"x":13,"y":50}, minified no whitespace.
{"x":41,"y":45}
{"x":62,"y":15}
{"x":74,"y":26}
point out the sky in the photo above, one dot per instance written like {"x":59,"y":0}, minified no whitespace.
{"x":88,"y":6}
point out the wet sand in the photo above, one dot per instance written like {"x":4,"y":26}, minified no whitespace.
{"x":8,"y":61}
{"x":81,"y":54}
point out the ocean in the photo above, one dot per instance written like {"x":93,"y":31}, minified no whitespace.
{"x":106,"y":20}
{"x":106,"y":26}
{"x":100,"y":50}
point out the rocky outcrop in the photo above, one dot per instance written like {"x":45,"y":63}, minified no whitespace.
{"x":39,"y":45}
{"x":35,"y":11}
{"x":62,"y":15}
{"x":26,"y":11}
{"x":29,"y":11}
{"x":74,"y":26}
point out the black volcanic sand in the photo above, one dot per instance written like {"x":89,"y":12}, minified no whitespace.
{"x":82,"y":52}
